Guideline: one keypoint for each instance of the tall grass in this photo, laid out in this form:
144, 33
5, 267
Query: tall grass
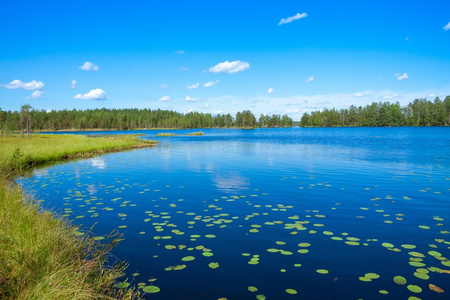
18, 153
42, 256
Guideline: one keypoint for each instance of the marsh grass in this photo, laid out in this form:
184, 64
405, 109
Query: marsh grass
166, 134
173, 134
196, 133
42, 256
18, 154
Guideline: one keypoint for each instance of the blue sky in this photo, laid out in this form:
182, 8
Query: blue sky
222, 56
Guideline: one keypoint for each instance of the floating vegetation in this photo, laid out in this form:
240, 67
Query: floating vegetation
213, 265
151, 289
183, 224
400, 280
188, 258
414, 288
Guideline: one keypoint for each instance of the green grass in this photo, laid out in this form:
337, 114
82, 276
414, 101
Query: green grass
42, 256
196, 133
166, 134
173, 134
18, 154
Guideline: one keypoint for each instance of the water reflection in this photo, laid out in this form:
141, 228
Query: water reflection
98, 162
231, 182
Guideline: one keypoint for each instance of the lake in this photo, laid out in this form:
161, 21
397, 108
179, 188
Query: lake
289, 213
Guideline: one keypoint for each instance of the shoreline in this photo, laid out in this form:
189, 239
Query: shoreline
43, 255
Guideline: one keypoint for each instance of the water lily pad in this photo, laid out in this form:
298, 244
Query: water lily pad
446, 263
304, 244
352, 243
260, 297
416, 254
363, 278
286, 252
178, 267
188, 258
272, 250
400, 280
252, 289
210, 236
434, 253
372, 275
435, 288
422, 275
408, 246
414, 288
207, 254
387, 245
384, 292
416, 264
424, 227
151, 289
322, 271
291, 291
213, 265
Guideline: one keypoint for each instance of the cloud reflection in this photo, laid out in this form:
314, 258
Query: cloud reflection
98, 162
231, 182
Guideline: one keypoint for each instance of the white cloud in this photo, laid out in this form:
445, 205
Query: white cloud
392, 96
358, 95
18, 84
164, 86
164, 98
193, 86
402, 77
270, 90
183, 69
73, 83
293, 18
447, 27
211, 83
309, 79
96, 94
230, 67
180, 52
190, 99
35, 95
88, 66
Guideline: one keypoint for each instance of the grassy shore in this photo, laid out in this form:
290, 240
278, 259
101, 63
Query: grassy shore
42, 256
21, 153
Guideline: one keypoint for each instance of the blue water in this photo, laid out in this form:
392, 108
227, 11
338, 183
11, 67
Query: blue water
368, 186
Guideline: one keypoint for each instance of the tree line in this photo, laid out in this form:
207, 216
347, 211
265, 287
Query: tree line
420, 112
28, 119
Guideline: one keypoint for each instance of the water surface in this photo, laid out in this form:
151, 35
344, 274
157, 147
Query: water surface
332, 205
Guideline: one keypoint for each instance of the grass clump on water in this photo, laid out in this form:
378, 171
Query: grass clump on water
166, 134
42, 256
173, 134
196, 133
